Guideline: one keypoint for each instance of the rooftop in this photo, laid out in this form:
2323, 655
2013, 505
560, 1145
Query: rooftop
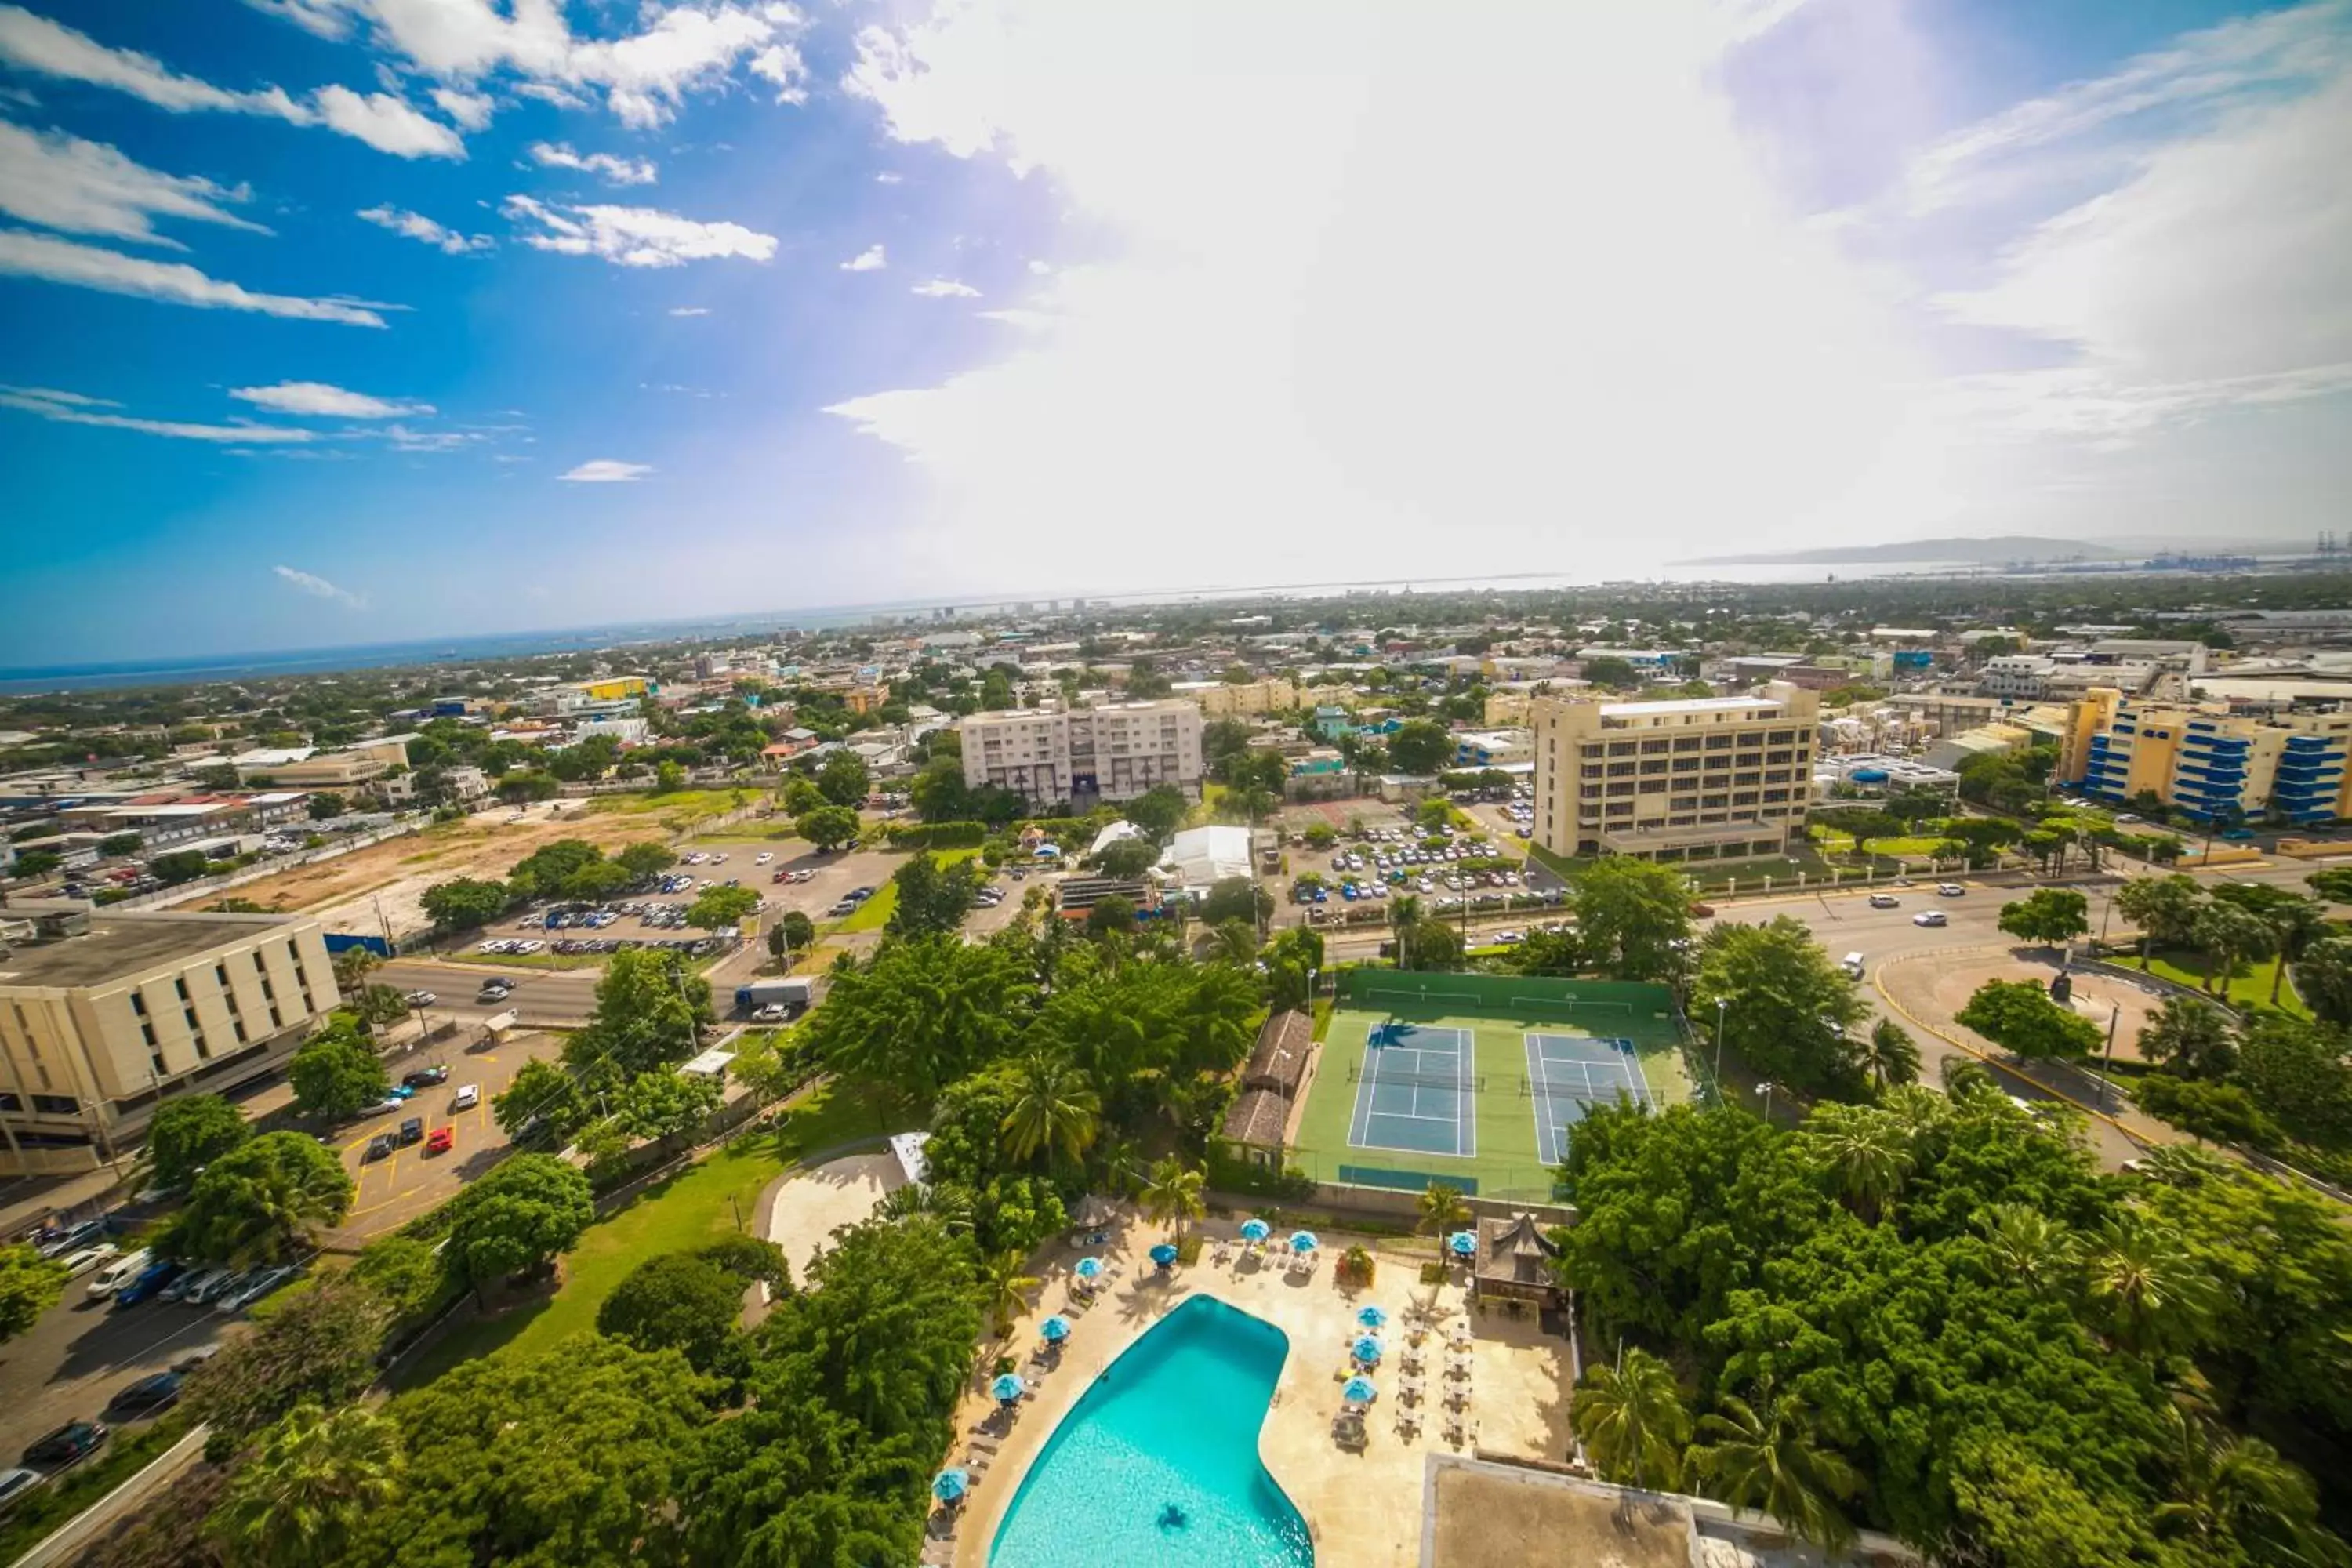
120, 946
1685, 705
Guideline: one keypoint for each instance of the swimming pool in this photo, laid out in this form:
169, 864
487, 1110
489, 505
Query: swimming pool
1157, 1463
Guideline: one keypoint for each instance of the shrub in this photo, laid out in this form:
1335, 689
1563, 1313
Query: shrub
1433, 1273
937, 835
1355, 1267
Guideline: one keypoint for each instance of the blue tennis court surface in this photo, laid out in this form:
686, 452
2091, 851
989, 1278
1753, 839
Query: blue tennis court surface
1567, 1073
1414, 1092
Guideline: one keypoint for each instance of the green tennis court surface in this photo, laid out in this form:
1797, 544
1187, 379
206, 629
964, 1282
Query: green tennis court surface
1477, 1081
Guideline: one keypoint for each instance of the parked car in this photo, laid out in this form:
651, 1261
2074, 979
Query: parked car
442, 1140
119, 1273
1929, 918
772, 1013
420, 998
147, 1396
256, 1285
411, 1130
80, 1263
468, 1096
378, 1147
1950, 891
426, 1078
195, 1358
213, 1290
73, 1238
152, 1279
195, 1279
16, 1483
74, 1440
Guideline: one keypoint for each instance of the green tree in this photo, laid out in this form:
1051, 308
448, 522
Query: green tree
1159, 811
1442, 1210
520, 1216
843, 779
306, 1497
257, 1203
1110, 915
666, 1103
2188, 1036
1629, 1417
933, 899
1888, 1056
465, 904
650, 1006
645, 860
668, 778
30, 864
353, 966
2020, 1018
800, 795
2233, 1495
1609, 671
1053, 1110
828, 828
1979, 839
324, 805
1171, 1194
919, 1015
2028, 1246
337, 1074
1237, 899
1435, 945
1765, 1453
675, 1300
318, 1344
29, 1286
1420, 747
2323, 978
1788, 1007
177, 866
405, 1272
2301, 1076
378, 1007
2151, 1294
2164, 908
1863, 1153
189, 1133
541, 1095
796, 930
2049, 916
1005, 1288
1125, 860
1291, 959
116, 844
2334, 883
721, 908
1630, 917
2232, 936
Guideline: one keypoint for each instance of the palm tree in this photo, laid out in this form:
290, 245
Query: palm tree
2182, 1164
1005, 1288
1924, 1117
1405, 913
2190, 1034
2230, 1491
2294, 923
1888, 1056
302, 1500
2231, 935
352, 967
1863, 1153
1630, 1420
946, 1202
1055, 1108
1442, 1209
1764, 1456
2155, 1296
2027, 1245
1171, 1193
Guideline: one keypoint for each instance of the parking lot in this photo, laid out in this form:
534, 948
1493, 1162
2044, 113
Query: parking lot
409, 1180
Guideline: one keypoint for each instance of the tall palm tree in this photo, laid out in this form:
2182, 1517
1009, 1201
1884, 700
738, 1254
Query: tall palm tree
946, 1202
1764, 1456
1442, 1209
2155, 1296
1924, 1115
1888, 1057
2295, 924
1405, 913
302, 1500
1631, 1419
2187, 1033
2182, 1164
352, 967
2027, 1245
1863, 1153
1171, 1193
1053, 1109
2234, 1492
1005, 1288
2233, 936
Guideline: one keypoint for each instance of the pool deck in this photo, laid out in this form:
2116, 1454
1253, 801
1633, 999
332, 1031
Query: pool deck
1363, 1508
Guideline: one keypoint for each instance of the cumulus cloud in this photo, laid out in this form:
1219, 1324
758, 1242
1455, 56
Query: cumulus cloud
613, 170
62, 182
111, 271
780, 64
317, 399
73, 408
317, 587
946, 288
471, 111
634, 236
606, 471
416, 226
870, 259
388, 124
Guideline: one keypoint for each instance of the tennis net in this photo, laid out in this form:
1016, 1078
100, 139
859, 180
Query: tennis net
1380, 1075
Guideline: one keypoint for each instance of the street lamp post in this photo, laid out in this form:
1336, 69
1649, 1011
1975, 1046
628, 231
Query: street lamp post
1765, 1088
1722, 1006
2107, 1063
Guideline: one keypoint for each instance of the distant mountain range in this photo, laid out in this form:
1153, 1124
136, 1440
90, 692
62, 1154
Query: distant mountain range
1956, 552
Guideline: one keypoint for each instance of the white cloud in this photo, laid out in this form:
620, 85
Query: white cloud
781, 65
615, 171
689, 309
946, 288
72, 409
88, 266
607, 471
321, 18
65, 182
388, 124
888, 177
635, 236
416, 226
471, 111
317, 399
873, 258
317, 587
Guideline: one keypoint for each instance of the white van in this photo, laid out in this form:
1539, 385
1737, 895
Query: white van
119, 1273
1852, 965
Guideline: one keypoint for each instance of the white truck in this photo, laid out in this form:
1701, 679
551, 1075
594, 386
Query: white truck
760, 995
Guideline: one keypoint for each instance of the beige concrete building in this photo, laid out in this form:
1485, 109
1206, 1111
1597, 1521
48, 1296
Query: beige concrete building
1217, 699
1705, 778
101, 1013
1506, 710
1116, 752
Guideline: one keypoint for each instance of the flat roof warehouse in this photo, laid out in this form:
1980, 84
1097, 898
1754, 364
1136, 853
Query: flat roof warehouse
113, 950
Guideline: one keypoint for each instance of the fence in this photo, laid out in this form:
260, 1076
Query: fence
1504, 994
180, 892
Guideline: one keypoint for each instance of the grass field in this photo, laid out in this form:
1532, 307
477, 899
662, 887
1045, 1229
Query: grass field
1835, 843
875, 912
2250, 988
1507, 1163
699, 1204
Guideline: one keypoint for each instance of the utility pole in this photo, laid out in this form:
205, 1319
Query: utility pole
1722, 1006
2107, 1063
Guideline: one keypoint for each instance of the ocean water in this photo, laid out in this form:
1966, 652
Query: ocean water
1157, 1464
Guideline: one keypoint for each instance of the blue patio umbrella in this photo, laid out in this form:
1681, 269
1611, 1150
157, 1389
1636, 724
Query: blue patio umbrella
1164, 1254
1368, 1348
1463, 1244
949, 1486
1256, 1230
1371, 1317
1360, 1391
1055, 1329
1303, 1241
1088, 1269
1007, 1387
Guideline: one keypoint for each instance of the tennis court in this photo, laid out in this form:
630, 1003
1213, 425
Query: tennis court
1568, 1074
1414, 1091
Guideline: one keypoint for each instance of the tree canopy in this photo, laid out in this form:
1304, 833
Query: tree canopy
1629, 914
257, 1203
518, 1217
189, 1133
1788, 1009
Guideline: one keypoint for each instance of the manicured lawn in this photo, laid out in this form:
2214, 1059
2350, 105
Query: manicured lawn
692, 803
875, 912
698, 1205
2251, 987
1834, 843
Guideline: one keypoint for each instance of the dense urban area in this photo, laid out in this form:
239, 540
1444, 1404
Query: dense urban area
1859, 1067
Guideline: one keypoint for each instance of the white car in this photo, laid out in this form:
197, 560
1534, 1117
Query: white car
763, 856
80, 1263
1950, 891
119, 1273
468, 1096
1929, 918
1884, 901
255, 1286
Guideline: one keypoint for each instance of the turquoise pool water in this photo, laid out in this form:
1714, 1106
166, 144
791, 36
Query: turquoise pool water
1157, 1463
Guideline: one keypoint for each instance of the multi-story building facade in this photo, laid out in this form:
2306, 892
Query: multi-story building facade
104, 1013
2016, 675
1227, 700
1116, 752
2216, 767
1709, 778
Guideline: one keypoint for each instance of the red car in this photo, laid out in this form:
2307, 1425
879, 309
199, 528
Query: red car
781, 877
441, 1141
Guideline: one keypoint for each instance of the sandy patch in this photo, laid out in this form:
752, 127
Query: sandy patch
809, 1205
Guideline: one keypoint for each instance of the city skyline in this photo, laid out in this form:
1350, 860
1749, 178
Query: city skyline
335, 322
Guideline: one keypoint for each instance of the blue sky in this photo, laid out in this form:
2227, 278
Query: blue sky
345, 321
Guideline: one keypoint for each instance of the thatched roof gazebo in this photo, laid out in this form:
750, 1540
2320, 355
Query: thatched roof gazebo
1514, 1262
